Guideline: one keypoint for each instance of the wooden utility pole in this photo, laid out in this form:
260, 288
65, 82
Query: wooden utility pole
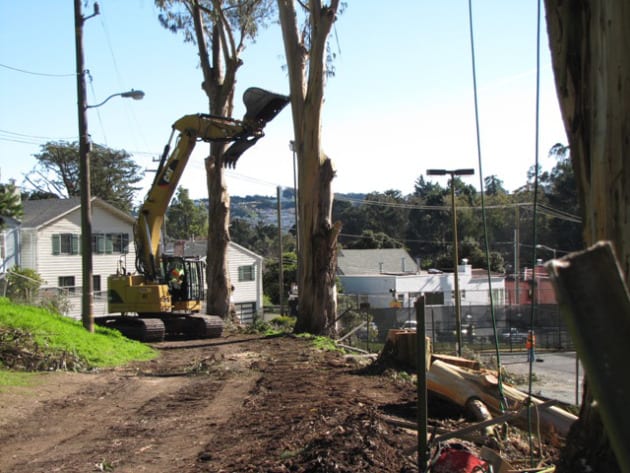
280, 263
87, 300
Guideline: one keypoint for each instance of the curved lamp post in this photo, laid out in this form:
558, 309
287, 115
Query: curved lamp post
87, 293
458, 308
132, 94
548, 248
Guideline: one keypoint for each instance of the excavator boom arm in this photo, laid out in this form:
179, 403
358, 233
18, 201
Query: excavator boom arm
262, 106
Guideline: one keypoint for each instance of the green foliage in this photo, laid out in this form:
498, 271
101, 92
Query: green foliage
113, 173
283, 322
23, 284
56, 335
271, 277
185, 218
321, 343
10, 202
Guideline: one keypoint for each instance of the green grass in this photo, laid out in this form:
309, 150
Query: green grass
13, 378
56, 334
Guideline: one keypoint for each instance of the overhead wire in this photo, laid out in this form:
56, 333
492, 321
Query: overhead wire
45, 74
533, 303
502, 400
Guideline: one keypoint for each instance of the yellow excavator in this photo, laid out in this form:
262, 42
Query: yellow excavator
164, 296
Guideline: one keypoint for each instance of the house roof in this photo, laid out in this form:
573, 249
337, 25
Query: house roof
200, 248
38, 213
385, 260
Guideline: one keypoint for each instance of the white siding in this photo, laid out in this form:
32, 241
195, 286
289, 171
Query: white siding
245, 291
37, 254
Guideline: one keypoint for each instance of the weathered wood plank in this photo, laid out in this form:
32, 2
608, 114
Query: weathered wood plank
595, 301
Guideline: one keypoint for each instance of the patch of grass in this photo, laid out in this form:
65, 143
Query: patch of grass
322, 343
53, 334
15, 378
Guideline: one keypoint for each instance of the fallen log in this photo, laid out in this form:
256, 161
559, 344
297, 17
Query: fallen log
460, 385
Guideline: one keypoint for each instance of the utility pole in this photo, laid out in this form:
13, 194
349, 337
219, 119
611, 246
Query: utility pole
87, 301
458, 307
280, 266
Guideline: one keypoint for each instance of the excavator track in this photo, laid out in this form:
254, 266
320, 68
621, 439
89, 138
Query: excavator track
137, 328
192, 326
206, 326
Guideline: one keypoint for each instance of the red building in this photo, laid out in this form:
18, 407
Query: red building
531, 284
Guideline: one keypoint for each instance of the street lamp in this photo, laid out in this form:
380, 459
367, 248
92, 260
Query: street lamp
458, 309
132, 94
87, 300
545, 247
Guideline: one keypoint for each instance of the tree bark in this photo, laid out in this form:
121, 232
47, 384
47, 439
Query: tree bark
317, 234
589, 43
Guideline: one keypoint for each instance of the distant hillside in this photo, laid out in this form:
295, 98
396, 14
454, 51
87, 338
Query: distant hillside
264, 209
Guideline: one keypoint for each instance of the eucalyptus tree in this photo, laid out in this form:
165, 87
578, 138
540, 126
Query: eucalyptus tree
589, 50
219, 29
306, 55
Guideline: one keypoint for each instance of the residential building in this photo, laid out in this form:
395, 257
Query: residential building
50, 235
245, 269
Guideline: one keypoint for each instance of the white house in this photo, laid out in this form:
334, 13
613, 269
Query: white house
50, 244
245, 269
390, 278
393, 290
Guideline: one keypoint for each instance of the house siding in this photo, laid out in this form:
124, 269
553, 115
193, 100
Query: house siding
37, 254
245, 292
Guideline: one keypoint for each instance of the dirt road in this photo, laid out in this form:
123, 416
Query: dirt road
238, 404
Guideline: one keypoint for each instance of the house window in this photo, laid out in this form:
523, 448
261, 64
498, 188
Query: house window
65, 244
110, 243
120, 243
66, 282
96, 282
246, 273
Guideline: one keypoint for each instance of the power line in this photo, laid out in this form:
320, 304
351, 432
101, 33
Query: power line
45, 74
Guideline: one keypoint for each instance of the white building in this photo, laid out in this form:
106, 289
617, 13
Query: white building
50, 236
391, 292
245, 268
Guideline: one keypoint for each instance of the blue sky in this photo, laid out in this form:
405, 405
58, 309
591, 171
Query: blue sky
401, 100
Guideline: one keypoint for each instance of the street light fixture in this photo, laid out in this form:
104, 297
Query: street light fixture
132, 94
458, 308
545, 247
87, 299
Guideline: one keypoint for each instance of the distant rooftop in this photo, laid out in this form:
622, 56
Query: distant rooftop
386, 260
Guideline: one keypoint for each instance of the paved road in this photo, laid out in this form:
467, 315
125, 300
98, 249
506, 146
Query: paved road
554, 374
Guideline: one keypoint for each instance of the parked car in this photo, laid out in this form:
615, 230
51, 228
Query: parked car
409, 325
513, 335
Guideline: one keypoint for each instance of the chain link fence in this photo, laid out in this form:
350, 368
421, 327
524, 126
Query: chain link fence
478, 334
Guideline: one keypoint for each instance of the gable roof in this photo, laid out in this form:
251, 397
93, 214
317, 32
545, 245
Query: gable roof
38, 213
385, 260
200, 248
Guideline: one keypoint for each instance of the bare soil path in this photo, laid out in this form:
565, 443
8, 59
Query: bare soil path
236, 404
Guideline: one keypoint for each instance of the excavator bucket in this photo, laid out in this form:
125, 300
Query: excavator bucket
262, 106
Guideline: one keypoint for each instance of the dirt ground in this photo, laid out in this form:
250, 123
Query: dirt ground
235, 404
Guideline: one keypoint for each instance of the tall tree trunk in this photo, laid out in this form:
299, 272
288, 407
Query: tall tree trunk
589, 43
217, 272
318, 236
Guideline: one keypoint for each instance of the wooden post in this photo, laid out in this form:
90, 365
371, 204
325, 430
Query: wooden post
594, 299
421, 369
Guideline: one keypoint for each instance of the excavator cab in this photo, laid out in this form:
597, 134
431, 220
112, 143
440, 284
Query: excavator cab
185, 280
